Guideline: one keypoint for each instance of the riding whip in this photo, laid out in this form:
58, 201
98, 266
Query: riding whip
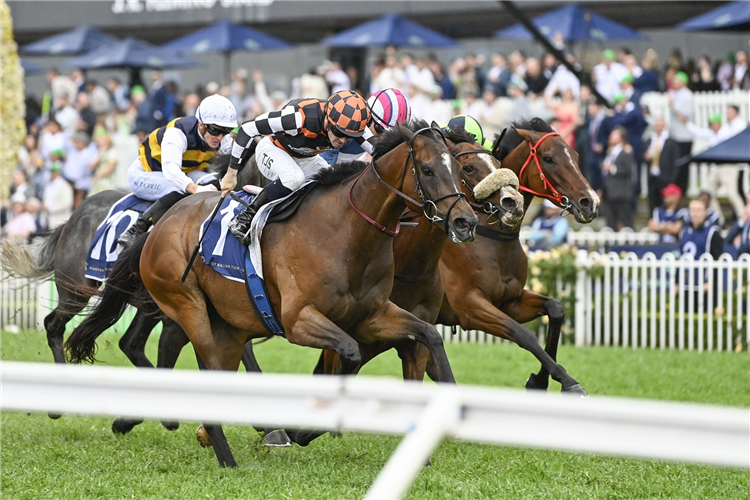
200, 240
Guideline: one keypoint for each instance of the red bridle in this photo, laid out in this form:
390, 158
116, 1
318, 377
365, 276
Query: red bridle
555, 196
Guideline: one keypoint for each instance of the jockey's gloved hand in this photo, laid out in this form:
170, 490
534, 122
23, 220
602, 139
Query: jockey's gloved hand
228, 182
205, 188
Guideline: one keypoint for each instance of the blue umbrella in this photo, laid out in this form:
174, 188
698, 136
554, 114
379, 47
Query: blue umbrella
30, 68
736, 149
575, 24
80, 40
226, 37
129, 53
734, 16
390, 29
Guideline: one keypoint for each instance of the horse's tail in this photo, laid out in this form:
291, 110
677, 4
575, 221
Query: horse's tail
122, 285
34, 261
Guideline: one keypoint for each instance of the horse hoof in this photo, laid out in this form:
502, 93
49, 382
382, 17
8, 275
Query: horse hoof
277, 438
123, 426
335, 434
576, 389
533, 384
171, 426
203, 438
54, 416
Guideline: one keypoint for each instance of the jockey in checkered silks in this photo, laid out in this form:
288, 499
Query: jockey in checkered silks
293, 138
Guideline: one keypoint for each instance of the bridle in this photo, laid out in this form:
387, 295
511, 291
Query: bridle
487, 207
563, 201
428, 205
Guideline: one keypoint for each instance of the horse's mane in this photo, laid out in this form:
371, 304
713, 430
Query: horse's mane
338, 172
392, 137
511, 139
459, 135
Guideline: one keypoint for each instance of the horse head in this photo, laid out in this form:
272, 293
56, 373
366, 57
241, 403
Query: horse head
548, 167
490, 188
435, 177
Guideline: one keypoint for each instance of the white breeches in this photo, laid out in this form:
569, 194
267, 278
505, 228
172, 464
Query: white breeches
153, 185
275, 163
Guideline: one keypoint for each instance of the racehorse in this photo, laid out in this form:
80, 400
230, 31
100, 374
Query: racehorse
323, 283
484, 281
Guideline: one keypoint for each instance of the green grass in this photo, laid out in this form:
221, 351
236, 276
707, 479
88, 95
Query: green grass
79, 457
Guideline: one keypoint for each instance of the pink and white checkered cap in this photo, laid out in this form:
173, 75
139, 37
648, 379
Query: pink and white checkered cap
389, 107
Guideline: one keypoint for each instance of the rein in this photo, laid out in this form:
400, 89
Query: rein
563, 201
428, 204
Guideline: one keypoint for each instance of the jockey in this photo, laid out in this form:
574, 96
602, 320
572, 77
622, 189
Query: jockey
387, 107
290, 151
167, 168
472, 126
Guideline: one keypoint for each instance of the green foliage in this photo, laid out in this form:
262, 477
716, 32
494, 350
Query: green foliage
79, 457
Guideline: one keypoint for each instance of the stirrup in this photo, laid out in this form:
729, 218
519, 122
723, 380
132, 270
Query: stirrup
240, 227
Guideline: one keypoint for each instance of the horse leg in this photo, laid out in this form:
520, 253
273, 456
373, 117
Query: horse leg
133, 344
54, 324
171, 342
478, 313
218, 346
271, 437
391, 323
531, 306
313, 329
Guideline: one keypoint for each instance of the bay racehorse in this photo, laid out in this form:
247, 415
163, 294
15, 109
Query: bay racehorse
328, 269
484, 281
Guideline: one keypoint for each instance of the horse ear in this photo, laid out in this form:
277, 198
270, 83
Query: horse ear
526, 134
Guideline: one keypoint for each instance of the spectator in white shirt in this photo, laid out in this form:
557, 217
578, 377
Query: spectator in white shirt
608, 74
58, 197
718, 175
337, 78
77, 168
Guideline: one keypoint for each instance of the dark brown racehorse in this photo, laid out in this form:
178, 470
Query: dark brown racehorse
328, 270
484, 281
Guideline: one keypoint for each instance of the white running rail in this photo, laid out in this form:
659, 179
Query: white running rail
424, 413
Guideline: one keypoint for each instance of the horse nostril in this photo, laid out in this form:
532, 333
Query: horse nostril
508, 203
586, 202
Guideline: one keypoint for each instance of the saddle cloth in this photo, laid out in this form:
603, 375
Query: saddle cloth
221, 251
104, 249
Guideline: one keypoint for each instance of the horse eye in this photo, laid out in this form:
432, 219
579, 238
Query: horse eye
426, 170
468, 169
548, 158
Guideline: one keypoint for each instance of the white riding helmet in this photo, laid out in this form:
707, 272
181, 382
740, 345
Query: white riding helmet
217, 110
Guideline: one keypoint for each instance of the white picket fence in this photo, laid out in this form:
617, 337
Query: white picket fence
647, 302
602, 239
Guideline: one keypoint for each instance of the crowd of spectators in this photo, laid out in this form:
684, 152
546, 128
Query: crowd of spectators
68, 153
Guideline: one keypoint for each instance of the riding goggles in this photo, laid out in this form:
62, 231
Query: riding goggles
217, 131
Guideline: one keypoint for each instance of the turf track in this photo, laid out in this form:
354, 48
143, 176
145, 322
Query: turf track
79, 457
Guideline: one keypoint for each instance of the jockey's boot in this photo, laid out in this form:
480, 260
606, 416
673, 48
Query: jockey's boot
240, 226
148, 218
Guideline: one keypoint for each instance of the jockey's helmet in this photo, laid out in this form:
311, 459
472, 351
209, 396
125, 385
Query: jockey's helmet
217, 110
389, 107
348, 113
471, 125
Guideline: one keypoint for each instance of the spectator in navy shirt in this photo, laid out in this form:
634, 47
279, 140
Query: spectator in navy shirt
698, 238
666, 219
550, 229
739, 233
